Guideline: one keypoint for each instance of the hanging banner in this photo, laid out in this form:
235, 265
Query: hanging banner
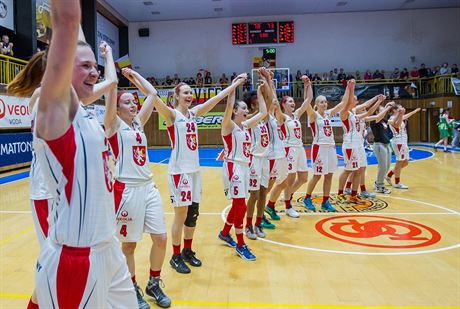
15, 148
14, 112
43, 15
7, 14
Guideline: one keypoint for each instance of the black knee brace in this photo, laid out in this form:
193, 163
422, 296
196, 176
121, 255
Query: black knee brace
192, 215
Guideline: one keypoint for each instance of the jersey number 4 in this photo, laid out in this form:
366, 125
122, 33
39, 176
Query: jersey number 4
123, 230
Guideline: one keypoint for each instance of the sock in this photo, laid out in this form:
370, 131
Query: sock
188, 243
290, 198
155, 273
271, 204
354, 193
249, 221
390, 173
258, 221
239, 240
32, 305
307, 195
240, 212
133, 279
176, 249
288, 204
363, 188
340, 191
348, 185
230, 219
397, 179
325, 199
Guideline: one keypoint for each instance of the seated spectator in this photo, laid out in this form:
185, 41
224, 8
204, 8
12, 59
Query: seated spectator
404, 74
395, 74
342, 75
331, 75
454, 69
208, 78
316, 77
223, 81
168, 81
233, 76
350, 76
298, 76
7, 47
199, 80
444, 69
176, 79
335, 75
307, 73
414, 73
382, 74
152, 80
423, 71
377, 75
429, 73
325, 76
191, 81
436, 70
367, 75
358, 75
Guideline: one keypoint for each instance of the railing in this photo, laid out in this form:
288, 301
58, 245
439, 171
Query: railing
9, 67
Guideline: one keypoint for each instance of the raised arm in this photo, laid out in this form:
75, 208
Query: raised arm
267, 91
53, 117
308, 97
347, 100
254, 120
34, 98
373, 108
381, 114
411, 113
227, 123
398, 119
366, 105
202, 109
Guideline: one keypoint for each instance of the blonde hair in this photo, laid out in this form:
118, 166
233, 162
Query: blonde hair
317, 100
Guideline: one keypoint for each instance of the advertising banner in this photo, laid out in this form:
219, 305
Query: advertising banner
15, 148
14, 112
211, 120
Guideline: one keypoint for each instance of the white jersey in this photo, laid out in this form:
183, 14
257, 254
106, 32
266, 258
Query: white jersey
129, 146
183, 134
259, 140
399, 134
292, 131
351, 130
322, 130
38, 188
276, 146
237, 145
76, 169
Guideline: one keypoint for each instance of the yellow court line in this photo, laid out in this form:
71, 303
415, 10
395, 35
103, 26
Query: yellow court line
15, 236
13, 295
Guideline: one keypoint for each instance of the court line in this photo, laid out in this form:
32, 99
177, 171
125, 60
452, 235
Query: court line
260, 305
15, 236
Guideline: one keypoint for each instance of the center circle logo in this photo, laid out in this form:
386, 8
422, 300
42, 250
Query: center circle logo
340, 203
378, 231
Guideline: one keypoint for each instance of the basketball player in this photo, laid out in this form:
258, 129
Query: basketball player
184, 178
399, 143
237, 143
81, 264
138, 204
295, 153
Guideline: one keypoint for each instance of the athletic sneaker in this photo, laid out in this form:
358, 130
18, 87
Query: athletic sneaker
260, 231
388, 179
366, 194
245, 253
272, 213
266, 224
347, 191
308, 203
153, 289
249, 231
291, 212
228, 240
189, 256
400, 186
327, 207
355, 200
382, 189
179, 265
140, 298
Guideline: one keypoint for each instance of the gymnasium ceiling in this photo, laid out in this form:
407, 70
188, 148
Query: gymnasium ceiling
157, 10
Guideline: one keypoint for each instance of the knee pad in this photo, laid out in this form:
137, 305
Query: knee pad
192, 215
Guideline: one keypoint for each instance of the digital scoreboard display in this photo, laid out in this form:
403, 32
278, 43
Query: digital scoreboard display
286, 32
263, 33
240, 34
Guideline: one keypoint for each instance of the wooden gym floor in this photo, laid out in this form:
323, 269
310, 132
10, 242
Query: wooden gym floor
399, 251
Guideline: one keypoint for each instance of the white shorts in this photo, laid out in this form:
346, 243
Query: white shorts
296, 159
139, 209
323, 159
236, 180
401, 151
278, 169
40, 211
362, 156
95, 277
185, 188
258, 173
351, 156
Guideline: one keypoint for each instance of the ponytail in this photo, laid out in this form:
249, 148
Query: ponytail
30, 77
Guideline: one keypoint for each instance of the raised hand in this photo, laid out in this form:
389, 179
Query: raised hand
381, 98
240, 79
127, 72
104, 48
306, 81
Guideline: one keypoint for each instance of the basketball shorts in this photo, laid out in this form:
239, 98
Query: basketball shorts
185, 188
278, 169
323, 159
236, 180
296, 160
258, 173
401, 151
40, 211
352, 156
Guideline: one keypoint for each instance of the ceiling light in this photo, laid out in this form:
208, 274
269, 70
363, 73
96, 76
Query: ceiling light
155, 13
218, 9
342, 3
148, 3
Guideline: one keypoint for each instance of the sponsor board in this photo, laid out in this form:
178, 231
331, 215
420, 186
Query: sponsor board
211, 120
14, 112
15, 148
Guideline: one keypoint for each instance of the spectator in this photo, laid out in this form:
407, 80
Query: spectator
368, 75
316, 77
325, 76
404, 74
382, 74
233, 76
176, 79
307, 73
191, 81
152, 80
358, 75
223, 81
454, 69
298, 75
199, 80
335, 74
208, 78
414, 73
423, 71
168, 81
331, 75
444, 69
377, 75
395, 74
298, 83
342, 75
247, 84
7, 47
436, 70
350, 76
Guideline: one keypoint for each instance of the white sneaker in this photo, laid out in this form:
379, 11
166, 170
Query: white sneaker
249, 231
400, 186
382, 190
388, 179
347, 191
367, 194
259, 231
291, 212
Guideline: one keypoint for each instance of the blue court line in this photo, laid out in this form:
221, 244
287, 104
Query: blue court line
14, 177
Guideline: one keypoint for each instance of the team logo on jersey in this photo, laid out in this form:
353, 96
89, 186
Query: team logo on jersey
191, 141
185, 182
124, 213
246, 149
139, 155
107, 171
264, 140
235, 177
327, 130
297, 132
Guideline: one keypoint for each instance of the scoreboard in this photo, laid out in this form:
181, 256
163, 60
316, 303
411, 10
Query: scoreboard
263, 33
